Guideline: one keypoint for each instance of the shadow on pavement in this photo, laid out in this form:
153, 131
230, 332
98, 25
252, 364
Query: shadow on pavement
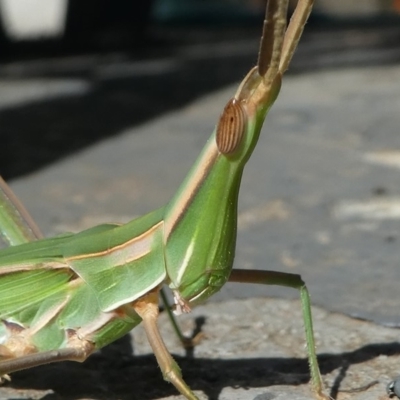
115, 374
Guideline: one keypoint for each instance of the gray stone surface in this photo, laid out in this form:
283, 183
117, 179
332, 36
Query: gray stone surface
253, 349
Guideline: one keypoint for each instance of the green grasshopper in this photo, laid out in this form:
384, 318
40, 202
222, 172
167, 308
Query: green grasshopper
65, 297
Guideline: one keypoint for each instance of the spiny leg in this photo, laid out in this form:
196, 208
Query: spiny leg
293, 281
147, 309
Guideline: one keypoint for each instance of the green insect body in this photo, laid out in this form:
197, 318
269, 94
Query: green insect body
81, 283
63, 298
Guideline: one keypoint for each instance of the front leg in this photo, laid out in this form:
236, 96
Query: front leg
293, 281
147, 308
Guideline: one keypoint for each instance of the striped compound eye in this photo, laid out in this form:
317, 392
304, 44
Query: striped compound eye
231, 127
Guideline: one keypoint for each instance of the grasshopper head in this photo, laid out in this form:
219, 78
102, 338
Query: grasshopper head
241, 121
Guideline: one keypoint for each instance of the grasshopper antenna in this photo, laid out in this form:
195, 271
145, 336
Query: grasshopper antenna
278, 43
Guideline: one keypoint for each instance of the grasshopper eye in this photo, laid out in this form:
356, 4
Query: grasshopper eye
231, 126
